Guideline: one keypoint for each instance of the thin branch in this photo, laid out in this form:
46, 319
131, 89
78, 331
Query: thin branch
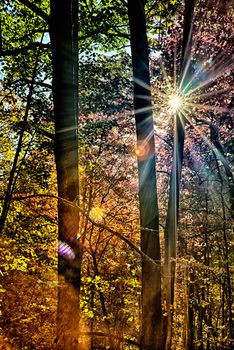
39, 83
27, 81
96, 224
19, 50
99, 32
43, 132
37, 10
164, 140
13, 177
101, 334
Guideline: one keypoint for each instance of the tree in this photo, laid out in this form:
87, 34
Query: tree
200, 289
64, 32
64, 44
175, 178
152, 337
206, 83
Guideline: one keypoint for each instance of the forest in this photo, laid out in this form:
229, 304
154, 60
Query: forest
116, 182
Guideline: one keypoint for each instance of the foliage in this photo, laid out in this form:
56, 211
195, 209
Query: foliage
111, 288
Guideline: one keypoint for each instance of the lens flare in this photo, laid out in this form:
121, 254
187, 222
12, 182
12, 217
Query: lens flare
66, 251
175, 102
142, 150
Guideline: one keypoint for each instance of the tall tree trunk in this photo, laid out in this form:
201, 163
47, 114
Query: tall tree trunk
151, 274
63, 31
174, 192
171, 225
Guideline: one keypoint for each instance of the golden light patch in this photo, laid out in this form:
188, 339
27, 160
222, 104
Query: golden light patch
97, 214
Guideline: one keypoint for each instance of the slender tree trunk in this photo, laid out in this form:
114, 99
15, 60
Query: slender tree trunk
190, 344
228, 274
151, 274
15, 166
186, 338
174, 192
63, 31
171, 225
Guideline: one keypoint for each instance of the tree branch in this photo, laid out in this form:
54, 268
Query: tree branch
124, 2
102, 334
164, 140
115, 233
28, 81
19, 50
39, 83
40, 131
37, 10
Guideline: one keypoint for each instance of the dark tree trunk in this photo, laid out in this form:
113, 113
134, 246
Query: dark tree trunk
63, 31
174, 192
187, 34
151, 274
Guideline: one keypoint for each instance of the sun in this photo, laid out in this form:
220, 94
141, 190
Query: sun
175, 102
170, 100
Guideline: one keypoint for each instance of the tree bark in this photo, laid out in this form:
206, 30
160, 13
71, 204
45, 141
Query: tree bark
63, 31
171, 225
174, 192
149, 218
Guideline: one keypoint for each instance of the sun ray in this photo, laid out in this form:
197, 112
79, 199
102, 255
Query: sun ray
141, 83
144, 97
220, 63
202, 68
208, 94
184, 73
142, 110
214, 76
208, 142
209, 107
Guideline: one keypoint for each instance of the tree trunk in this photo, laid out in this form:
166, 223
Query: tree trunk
151, 274
191, 338
171, 225
63, 31
174, 192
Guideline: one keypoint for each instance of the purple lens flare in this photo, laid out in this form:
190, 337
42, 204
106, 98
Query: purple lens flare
66, 251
